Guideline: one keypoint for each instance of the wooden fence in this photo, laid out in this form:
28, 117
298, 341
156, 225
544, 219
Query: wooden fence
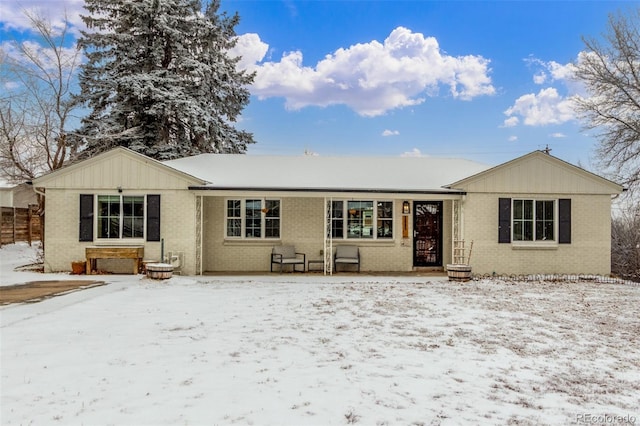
19, 224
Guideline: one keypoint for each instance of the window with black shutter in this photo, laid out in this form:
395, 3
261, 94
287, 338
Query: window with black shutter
537, 221
86, 217
564, 221
153, 217
504, 220
119, 217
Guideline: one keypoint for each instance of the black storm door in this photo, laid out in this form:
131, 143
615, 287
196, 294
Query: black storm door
427, 233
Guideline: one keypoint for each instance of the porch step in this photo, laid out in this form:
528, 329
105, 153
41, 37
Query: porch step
428, 269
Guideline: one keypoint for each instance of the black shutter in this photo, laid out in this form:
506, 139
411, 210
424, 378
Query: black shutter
86, 217
504, 220
153, 217
564, 221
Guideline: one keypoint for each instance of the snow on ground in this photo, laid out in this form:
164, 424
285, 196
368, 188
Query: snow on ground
17, 255
314, 350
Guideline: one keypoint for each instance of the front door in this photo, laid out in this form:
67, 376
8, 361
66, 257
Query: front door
427, 233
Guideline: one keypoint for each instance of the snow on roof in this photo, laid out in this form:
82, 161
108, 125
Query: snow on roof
327, 173
4, 185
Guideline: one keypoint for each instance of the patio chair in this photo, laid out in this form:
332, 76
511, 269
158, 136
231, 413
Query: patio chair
346, 255
287, 255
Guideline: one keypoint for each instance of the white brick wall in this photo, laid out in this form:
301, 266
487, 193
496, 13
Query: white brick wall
62, 228
588, 253
302, 226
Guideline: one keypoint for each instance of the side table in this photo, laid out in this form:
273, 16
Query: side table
315, 262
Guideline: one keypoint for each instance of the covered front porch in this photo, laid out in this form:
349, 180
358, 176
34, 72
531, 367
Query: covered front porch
400, 233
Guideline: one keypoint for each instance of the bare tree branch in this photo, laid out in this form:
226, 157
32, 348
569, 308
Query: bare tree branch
625, 242
611, 73
36, 111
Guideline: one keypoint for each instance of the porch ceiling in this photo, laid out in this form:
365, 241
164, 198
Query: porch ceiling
327, 193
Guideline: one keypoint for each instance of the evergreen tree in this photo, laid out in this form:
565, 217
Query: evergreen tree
158, 79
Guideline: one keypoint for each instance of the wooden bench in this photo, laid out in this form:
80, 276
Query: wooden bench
131, 252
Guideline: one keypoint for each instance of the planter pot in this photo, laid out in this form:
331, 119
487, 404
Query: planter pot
159, 271
459, 272
78, 268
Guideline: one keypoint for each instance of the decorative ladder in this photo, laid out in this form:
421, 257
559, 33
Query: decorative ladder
460, 253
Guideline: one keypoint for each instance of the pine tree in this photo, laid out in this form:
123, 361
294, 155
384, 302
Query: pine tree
158, 79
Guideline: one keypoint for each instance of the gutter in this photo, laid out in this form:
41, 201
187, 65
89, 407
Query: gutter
326, 190
35, 189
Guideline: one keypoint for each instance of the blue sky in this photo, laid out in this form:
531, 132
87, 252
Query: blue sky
482, 80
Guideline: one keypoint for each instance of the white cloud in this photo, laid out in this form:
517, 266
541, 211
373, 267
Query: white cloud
370, 78
252, 50
552, 72
511, 122
13, 13
45, 58
388, 132
513, 138
11, 85
540, 77
415, 152
546, 107
559, 71
557, 135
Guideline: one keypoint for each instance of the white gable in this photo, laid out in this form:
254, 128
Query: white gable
537, 173
119, 167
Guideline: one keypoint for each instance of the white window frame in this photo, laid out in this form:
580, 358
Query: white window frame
535, 241
120, 239
374, 219
243, 219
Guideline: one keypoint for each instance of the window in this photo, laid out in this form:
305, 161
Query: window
362, 219
385, 219
120, 217
253, 218
234, 218
272, 219
533, 220
337, 219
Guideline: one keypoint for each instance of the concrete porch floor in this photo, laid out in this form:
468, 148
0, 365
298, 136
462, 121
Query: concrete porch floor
420, 273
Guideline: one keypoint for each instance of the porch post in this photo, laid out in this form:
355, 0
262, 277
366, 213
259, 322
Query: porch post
457, 221
454, 230
199, 224
328, 239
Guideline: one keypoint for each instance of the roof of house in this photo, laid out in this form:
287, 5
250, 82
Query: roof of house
6, 186
391, 174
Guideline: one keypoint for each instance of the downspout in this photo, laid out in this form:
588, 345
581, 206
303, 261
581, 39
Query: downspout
40, 212
461, 216
35, 189
201, 236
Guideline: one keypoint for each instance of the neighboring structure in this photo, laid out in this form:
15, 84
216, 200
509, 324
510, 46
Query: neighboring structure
21, 195
224, 213
20, 220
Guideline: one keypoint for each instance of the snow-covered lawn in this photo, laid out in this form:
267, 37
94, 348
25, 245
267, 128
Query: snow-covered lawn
307, 349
